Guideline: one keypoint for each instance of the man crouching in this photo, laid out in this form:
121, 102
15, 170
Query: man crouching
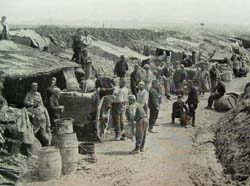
141, 124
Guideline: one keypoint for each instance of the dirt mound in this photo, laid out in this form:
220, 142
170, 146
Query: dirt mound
232, 142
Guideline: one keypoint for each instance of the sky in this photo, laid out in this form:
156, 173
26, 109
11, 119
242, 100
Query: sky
125, 13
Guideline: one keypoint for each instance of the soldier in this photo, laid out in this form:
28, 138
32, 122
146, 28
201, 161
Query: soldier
154, 105
141, 127
149, 77
192, 101
50, 90
203, 79
4, 29
41, 122
121, 67
167, 72
29, 98
143, 96
130, 112
179, 77
118, 109
135, 78
178, 110
78, 47
214, 75
217, 93
55, 108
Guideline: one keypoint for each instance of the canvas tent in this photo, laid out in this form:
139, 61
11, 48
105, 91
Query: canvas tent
21, 65
115, 51
30, 38
221, 56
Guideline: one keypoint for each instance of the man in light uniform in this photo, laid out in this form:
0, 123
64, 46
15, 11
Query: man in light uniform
118, 109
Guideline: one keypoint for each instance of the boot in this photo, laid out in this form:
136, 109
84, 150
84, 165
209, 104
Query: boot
136, 150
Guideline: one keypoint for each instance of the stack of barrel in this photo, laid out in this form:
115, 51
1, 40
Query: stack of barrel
62, 158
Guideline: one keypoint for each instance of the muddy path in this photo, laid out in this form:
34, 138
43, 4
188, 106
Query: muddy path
174, 156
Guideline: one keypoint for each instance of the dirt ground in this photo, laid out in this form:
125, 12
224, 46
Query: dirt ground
174, 156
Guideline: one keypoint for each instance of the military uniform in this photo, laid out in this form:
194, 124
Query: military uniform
41, 124
192, 102
30, 97
219, 91
121, 69
135, 78
154, 106
178, 110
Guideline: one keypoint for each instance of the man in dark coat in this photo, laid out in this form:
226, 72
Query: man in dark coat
167, 72
214, 74
55, 108
78, 47
50, 89
121, 67
218, 92
178, 109
135, 78
192, 101
154, 105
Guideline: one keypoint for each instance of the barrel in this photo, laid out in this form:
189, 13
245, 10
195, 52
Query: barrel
49, 163
68, 146
226, 103
65, 125
227, 76
87, 148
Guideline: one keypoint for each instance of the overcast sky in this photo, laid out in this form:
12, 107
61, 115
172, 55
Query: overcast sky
125, 12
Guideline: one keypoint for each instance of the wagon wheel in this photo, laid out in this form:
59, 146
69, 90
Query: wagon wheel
103, 117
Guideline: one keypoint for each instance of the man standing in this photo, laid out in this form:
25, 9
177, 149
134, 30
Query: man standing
121, 67
30, 96
4, 29
143, 96
55, 109
87, 42
78, 47
179, 77
217, 93
214, 75
167, 72
118, 109
154, 105
149, 77
141, 128
50, 90
203, 79
192, 101
135, 78
41, 122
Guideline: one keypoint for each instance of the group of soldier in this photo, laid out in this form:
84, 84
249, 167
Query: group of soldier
148, 87
149, 84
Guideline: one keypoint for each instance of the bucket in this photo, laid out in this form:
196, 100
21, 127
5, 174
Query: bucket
64, 125
13, 146
68, 146
49, 163
86, 148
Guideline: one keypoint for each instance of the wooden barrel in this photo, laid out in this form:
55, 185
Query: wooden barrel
226, 103
227, 76
68, 146
65, 125
49, 163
